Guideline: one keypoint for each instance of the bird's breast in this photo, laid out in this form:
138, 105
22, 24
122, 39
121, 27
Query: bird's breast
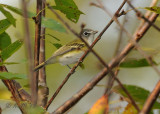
71, 57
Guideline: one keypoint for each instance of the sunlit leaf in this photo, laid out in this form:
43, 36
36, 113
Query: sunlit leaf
9, 16
155, 9
5, 94
11, 49
100, 106
5, 40
135, 63
129, 109
4, 24
11, 76
138, 94
52, 24
57, 45
69, 8
17, 10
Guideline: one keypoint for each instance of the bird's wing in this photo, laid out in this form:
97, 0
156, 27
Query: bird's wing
75, 45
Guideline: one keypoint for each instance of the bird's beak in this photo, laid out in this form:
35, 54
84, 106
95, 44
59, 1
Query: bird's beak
94, 32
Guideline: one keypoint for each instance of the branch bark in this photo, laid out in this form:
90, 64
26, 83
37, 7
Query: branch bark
37, 50
89, 86
28, 46
43, 91
151, 100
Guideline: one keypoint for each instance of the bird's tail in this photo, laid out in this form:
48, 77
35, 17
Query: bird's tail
49, 61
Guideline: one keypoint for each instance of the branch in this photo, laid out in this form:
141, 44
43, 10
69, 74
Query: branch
81, 59
89, 86
151, 99
43, 91
14, 91
37, 50
139, 14
28, 46
148, 58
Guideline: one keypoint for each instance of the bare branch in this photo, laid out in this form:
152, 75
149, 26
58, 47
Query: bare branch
11, 87
90, 48
151, 99
43, 90
139, 14
89, 86
28, 46
37, 49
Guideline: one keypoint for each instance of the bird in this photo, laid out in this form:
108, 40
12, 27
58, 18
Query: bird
72, 51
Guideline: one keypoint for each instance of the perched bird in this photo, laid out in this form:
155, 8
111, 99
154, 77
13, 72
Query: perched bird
71, 52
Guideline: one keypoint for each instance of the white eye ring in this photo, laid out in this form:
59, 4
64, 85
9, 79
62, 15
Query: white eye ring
86, 33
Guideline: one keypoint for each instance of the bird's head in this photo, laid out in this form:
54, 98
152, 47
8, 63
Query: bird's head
88, 34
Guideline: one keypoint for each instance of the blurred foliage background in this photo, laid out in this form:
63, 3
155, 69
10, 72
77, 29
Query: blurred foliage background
95, 19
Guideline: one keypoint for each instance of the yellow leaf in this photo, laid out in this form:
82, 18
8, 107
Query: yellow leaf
130, 109
101, 106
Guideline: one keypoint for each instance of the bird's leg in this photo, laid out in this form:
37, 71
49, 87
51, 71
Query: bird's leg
68, 66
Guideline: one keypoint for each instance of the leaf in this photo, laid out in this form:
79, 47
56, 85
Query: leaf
100, 106
52, 24
11, 76
135, 63
57, 45
155, 9
4, 24
69, 8
5, 40
9, 16
17, 11
82, 66
33, 109
129, 109
138, 94
11, 49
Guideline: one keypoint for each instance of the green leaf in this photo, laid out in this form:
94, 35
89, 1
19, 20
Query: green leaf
138, 94
57, 45
4, 24
9, 16
11, 76
11, 49
69, 8
135, 63
5, 40
52, 24
17, 11
82, 66
155, 9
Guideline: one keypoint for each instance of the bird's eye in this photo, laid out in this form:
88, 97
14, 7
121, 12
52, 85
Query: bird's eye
86, 33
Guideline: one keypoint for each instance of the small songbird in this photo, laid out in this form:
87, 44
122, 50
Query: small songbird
71, 52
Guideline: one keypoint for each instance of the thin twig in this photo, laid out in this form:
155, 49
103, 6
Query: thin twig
89, 86
148, 58
139, 14
37, 49
28, 46
151, 99
90, 48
